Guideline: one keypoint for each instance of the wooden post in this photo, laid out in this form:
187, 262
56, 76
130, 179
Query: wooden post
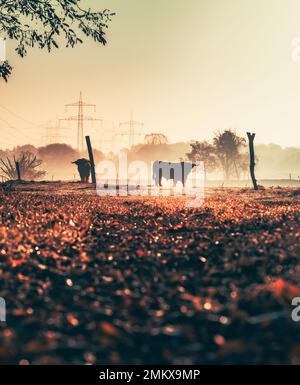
252, 159
91, 156
18, 170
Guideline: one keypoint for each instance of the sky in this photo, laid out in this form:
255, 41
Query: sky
185, 67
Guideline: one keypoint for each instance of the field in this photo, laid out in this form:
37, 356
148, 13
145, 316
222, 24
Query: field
125, 280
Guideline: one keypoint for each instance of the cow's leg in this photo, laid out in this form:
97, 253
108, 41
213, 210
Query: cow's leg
172, 176
160, 177
80, 173
182, 174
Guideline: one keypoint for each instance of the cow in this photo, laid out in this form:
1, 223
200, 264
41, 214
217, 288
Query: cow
178, 172
84, 169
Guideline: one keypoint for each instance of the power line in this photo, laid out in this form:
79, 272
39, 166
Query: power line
16, 129
131, 131
18, 116
111, 140
29, 136
54, 133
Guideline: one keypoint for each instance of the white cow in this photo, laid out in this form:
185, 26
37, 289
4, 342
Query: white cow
178, 172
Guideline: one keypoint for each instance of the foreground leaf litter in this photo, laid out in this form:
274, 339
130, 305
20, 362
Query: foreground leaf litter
106, 280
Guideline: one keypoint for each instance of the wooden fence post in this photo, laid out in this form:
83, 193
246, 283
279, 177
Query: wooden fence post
91, 156
18, 170
252, 159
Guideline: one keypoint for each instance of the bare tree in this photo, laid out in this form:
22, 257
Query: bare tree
155, 139
28, 167
227, 146
40, 23
252, 159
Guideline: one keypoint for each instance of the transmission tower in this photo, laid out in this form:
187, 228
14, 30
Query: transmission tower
131, 124
54, 134
111, 140
80, 118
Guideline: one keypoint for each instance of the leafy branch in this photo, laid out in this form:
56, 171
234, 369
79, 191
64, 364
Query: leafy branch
41, 23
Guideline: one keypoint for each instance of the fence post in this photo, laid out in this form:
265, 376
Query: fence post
91, 156
18, 170
252, 159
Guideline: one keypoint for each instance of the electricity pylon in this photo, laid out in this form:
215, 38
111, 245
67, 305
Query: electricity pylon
131, 132
80, 118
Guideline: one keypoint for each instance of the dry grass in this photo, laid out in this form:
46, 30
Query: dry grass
148, 280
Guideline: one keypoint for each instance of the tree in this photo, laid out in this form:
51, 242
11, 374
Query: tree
227, 146
40, 23
57, 152
251, 137
28, 164
155, 139
57, 158
241, 165
203, 152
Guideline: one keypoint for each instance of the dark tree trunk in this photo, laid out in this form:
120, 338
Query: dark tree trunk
18, 170
226, 169
91, 156
252, 159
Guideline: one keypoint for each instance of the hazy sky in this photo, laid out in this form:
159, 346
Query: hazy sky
186, 68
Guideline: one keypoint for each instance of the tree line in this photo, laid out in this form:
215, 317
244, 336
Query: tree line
226, 153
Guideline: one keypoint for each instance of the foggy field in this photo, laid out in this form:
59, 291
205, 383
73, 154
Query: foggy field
125, 280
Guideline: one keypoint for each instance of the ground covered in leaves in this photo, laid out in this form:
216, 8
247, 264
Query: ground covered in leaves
123, 280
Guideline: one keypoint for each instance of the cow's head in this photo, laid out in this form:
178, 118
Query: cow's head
80, 162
